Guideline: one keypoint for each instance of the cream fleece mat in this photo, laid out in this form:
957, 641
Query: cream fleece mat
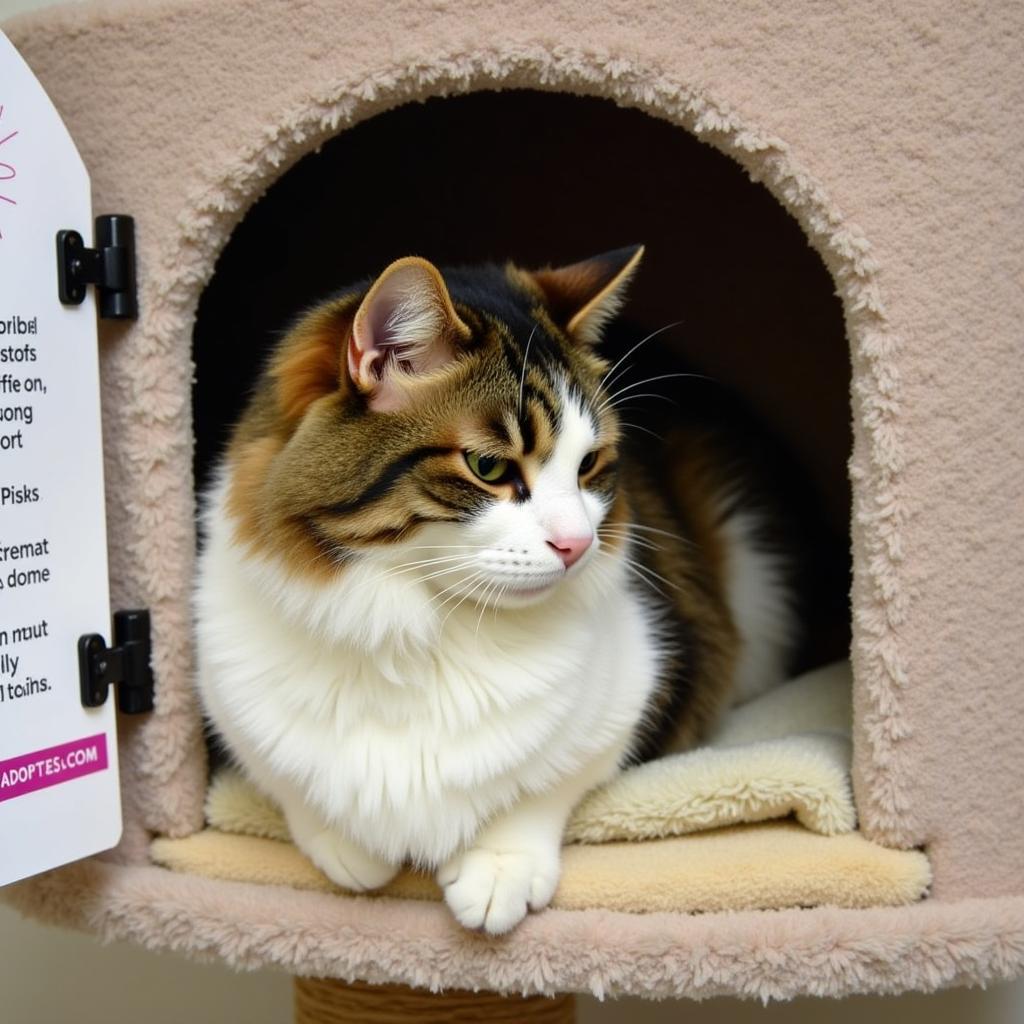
786, 753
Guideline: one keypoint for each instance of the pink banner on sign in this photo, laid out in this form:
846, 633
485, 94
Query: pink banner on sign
52, 766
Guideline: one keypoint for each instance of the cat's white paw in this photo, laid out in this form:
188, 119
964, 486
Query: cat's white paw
346, 864
494, 889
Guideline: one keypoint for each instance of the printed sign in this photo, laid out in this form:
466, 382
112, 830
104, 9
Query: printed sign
59, 796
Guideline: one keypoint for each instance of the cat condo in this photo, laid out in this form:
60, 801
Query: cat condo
864, 280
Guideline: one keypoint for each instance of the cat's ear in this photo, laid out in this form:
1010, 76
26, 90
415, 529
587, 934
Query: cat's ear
405, 327
583, 297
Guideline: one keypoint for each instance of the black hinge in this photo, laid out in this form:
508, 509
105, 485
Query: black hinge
126, 664
110, 266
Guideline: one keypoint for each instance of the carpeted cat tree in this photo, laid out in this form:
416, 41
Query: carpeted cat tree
869, 277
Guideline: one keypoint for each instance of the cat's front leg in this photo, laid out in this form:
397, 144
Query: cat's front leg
344, 862
514, 864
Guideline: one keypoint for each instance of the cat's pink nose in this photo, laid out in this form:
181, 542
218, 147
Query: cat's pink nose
570, 549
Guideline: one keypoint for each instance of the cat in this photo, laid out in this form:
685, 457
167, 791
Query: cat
443, 594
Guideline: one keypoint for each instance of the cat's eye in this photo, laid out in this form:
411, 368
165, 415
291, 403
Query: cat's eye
490, 469
588, 463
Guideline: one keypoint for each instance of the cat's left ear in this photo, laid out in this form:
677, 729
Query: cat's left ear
583, 297
405, 327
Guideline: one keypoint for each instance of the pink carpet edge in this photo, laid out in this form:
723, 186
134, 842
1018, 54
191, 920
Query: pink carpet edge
765, 955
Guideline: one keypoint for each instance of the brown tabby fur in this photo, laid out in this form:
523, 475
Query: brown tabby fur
316, 477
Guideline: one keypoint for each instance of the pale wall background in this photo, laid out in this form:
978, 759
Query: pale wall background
48, 976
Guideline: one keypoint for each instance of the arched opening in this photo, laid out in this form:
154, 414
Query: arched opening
548, 178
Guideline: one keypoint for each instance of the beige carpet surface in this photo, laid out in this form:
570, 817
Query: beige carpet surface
746, 867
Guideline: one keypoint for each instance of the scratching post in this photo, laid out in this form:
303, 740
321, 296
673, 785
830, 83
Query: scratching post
319, 1001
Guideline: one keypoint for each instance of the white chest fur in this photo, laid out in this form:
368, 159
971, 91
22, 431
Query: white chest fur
411, 734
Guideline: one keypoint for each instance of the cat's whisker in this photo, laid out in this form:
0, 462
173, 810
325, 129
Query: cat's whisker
644, 579
417, 547
603, 578
455, 587
465, 597
631, 566
654, 529
650, 380
636, 426
662, 532
522, 376
616, 527
645, 394
456, 593
618, 376
323, 554
649, 529
449, 590
674, 375
497, 602
608, 379
632, 538
496, 607
407, 567
441, 572
483, 606
646, 569
635, 541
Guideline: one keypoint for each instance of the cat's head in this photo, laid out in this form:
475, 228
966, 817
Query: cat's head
449, 430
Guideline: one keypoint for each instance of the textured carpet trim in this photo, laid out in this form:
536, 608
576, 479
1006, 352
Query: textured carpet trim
753, 954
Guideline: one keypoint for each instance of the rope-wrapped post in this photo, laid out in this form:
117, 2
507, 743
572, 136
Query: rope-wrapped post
326, 1001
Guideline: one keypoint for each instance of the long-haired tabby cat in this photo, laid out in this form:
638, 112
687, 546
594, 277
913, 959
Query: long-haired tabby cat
443, 595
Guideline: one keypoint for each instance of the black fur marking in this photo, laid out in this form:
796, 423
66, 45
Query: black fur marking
603, 481
472, 496
390, 534
330, 548
656, 729
544, 402
500, 432
513, 360
526, 429
452, 506
488, 290
385, 481
549, 355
